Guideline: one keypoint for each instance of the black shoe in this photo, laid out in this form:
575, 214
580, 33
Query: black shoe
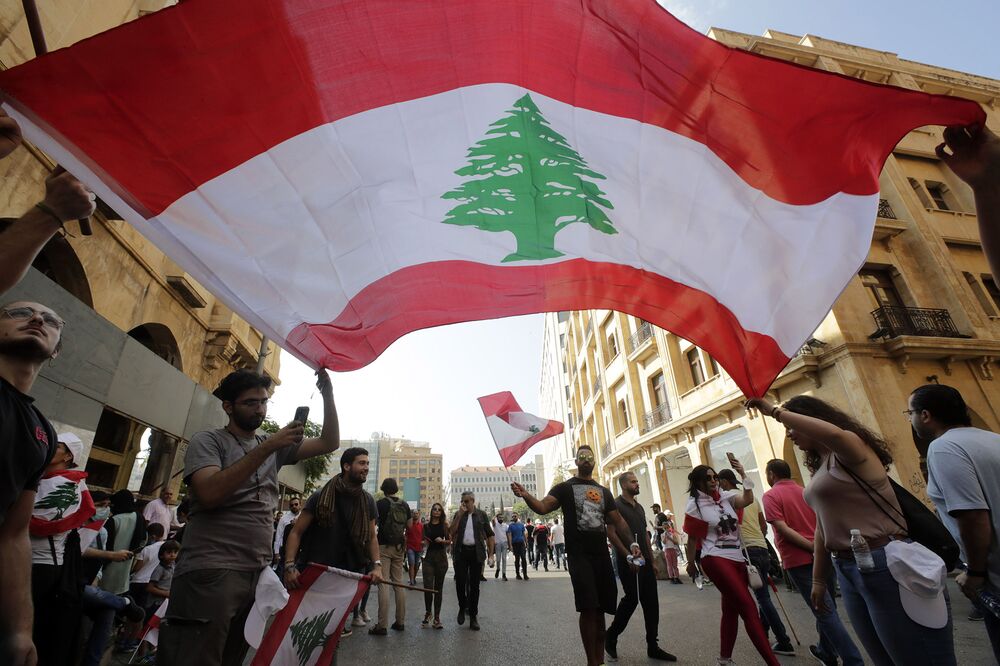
525, 575
818, 656
975, 615
473, 623
132, 612
497, 574
610, 648
461, 616
505, 577
396, 626
377, 631
519, 576
482, 578
656, 652
785, 648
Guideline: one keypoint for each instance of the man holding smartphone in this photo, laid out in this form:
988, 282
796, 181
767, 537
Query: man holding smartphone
232, 474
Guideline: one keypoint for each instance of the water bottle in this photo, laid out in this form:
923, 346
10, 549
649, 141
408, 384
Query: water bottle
862, 554
990, 602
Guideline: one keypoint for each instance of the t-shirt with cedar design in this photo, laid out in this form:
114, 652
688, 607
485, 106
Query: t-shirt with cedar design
585, 505
526, 179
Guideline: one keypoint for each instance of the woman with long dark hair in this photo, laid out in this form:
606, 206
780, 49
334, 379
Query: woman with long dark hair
712, 523
435, 562
850, 490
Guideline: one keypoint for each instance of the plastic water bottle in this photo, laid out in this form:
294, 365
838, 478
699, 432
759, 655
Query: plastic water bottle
862, 554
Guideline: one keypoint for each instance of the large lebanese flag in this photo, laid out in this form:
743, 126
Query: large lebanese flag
514, 430
342, 172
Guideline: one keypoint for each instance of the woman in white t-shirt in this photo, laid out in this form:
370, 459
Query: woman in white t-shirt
712, 522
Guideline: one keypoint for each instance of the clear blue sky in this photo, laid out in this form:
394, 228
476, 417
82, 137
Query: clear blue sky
425, 386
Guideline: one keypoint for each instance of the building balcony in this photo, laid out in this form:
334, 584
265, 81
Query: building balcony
640, 338
885, 211
655, 418
893, 321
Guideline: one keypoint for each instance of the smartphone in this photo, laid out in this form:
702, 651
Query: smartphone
732, 458
301, 414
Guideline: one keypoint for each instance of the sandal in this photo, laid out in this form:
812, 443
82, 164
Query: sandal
427, 619
437, 623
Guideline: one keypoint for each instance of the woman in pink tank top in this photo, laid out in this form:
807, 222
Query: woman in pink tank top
850, 489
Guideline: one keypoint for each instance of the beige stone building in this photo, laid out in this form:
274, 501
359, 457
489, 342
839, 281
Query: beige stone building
145, 343
924, 308
418, 470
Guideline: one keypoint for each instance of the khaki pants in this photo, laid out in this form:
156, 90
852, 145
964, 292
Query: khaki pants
392, 568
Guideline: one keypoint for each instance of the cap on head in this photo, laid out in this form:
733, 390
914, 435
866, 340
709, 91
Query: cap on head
727, 475
74, 445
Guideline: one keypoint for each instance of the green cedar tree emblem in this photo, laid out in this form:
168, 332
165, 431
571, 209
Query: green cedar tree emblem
310, 633
61, 498
534, 429
525, 178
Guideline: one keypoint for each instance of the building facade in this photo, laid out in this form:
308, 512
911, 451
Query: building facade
557, 452
418, 470
924, 308
144, 343
491, 485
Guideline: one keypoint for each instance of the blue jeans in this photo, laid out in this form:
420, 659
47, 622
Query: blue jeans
833, 637
886, 631
560, 555
768, 613
100, 606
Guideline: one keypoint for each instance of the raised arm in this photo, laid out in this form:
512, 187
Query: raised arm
849, 448
329, 439
547, 504
745, 498
975, 158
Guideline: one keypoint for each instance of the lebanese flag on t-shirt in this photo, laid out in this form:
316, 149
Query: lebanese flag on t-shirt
62, 503
343, 172
514, 431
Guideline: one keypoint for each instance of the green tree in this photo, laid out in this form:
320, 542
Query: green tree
528, 180
309, 634
315, 468
61, 498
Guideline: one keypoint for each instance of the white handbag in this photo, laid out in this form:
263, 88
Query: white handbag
756, 579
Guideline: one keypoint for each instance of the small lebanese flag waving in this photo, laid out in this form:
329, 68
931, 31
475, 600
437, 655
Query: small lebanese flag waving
343, 172
152, 635
88, 533
513, 430
62, 503
306, 631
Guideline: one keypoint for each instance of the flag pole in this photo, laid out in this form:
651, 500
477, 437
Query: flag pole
408, 587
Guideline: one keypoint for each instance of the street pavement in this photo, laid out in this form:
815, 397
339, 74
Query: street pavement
534, 622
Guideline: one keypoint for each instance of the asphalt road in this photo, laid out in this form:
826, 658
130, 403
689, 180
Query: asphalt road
533, 622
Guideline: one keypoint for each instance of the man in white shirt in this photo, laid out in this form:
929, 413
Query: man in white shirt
558, 535
158, 511
287, 518
963, 481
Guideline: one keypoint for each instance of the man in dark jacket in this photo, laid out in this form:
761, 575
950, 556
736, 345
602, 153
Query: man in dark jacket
472, 537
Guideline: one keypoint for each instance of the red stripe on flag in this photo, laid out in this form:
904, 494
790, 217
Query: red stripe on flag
499, 404
283, 620
326, 657
410, 299
511, 454
167, 102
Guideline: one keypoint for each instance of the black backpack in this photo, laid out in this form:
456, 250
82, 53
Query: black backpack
919, 523
393, 526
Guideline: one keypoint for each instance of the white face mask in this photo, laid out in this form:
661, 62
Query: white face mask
103, 513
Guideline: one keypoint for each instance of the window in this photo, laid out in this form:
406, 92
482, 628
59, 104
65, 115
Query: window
881, 287
938, 192
694, 362
714, 366
659, 385
612, 346
623, 417
981, 294
991, 289
921, 193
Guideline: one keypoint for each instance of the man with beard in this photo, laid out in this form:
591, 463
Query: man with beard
588, 510
287, 518
232, 474
29, 336
337, 525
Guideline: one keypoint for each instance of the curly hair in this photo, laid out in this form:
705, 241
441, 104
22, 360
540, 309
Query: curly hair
824, 411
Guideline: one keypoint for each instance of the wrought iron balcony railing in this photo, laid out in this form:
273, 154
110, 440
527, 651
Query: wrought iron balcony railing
885, 211
644, 333
894, 320
655, 418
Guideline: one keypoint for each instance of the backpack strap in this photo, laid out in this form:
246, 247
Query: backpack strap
862, 484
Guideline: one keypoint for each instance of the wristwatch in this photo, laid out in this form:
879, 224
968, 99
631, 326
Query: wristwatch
291, 565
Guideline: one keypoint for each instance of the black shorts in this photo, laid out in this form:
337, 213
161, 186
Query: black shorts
594, 585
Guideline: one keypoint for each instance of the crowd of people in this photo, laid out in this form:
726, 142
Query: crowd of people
75, 558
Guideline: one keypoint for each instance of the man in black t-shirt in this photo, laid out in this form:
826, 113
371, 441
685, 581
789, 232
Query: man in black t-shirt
30, 334
588, 510
637, 586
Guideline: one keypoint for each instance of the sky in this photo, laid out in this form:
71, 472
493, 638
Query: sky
424, 387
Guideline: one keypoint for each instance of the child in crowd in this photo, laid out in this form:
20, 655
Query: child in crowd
158, 587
